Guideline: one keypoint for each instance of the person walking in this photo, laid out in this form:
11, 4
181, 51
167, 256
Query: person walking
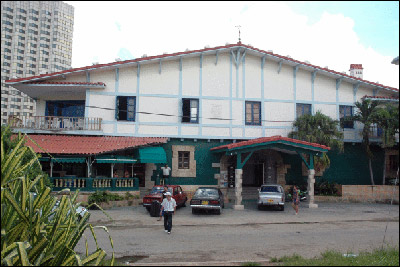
296, 199
169, 207
166, 170
163, 194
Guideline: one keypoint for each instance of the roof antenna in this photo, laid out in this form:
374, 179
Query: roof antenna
239, 32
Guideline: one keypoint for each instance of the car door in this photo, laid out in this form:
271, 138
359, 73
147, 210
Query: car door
177, 196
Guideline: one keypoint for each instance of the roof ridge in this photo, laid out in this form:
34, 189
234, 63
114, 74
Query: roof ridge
189, 52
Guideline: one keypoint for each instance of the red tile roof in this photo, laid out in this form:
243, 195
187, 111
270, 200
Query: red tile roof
79, 83
382, 97
239, 44
62, 144
356, 66
266, 140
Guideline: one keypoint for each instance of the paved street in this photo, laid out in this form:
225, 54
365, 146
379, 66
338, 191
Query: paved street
248, 235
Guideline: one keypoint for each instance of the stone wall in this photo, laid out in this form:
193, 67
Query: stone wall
370, 193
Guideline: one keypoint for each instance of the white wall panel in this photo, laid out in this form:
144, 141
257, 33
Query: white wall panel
190, 76
103, 101
324, 89
346, 92
329, 110
253, 77
237, 111
158, 130
126, 128
159, 105
105, 76
362, 91
216, 77
278, 86
215, 131
107, 128
166, 82
215, 109
273, 132
253, 132
303, 85
128, 80
40, 107
281, 113
189, 130
237, 132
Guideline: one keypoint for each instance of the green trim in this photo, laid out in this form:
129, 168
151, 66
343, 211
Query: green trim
310, 165
114, 159
68, 160
44, 159
239, 163
152, 155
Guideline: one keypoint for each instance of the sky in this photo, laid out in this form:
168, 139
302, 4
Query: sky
332, 34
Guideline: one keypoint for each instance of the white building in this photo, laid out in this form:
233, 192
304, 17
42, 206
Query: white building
211, 95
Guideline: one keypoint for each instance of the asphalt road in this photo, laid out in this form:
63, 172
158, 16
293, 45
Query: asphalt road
248, 235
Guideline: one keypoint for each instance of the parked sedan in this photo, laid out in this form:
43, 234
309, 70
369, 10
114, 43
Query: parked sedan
271, 195
207, 198
156, 195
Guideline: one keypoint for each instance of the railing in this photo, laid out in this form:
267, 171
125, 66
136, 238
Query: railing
93, 184
55, 123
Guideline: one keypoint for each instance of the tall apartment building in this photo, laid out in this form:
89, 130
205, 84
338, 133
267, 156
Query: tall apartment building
36, 38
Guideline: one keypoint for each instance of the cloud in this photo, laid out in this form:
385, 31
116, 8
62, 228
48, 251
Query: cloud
153, 28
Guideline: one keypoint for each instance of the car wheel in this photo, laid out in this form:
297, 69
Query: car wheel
259, 207
218, 212
223, 205
194, 211
148, 209
184, 203
282, 208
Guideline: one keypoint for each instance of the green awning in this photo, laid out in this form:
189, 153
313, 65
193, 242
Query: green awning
69, 160
115, 159
44, 159
152, 155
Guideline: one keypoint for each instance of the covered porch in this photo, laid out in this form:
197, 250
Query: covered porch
240, 153
97, 163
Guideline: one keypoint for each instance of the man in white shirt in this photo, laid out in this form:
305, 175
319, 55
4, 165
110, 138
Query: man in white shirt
166, 170
169, 207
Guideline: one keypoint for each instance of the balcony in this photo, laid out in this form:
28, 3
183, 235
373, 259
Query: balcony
55, 123
94, 184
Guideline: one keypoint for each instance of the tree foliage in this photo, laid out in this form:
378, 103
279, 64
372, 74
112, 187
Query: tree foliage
321, 129
34, 231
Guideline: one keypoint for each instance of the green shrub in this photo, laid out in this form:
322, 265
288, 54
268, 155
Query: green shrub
103, 196
33, 230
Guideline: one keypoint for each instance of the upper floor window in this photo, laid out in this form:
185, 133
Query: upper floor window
346, 111
125, 108
190, 110
303, 109
253, 113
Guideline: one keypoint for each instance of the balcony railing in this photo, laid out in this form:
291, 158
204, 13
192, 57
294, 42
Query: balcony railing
94, 184
55, 123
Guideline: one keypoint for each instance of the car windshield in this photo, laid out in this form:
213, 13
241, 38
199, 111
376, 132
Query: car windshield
159, 190
206, 192
269, 189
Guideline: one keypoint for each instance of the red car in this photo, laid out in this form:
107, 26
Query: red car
156, 194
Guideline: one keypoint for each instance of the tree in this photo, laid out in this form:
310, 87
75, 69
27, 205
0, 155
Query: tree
387, 118
366, 114
321, 129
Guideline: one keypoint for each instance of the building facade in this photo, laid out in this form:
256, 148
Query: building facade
36, 38
203, 99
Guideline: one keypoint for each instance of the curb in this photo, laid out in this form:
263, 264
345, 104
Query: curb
204, 263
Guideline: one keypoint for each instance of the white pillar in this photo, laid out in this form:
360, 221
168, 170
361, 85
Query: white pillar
310, 189
238, 190
51, 168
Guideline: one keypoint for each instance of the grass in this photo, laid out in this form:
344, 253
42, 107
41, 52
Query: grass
379, 257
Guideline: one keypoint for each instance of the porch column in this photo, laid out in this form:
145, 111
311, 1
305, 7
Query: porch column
238, 189
310, 189
51, 168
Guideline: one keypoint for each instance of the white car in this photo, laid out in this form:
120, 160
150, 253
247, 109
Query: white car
271, 195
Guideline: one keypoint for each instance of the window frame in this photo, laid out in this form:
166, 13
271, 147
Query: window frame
302, 109
190, 119
253, 103
347, 124
182, 157
117, 108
